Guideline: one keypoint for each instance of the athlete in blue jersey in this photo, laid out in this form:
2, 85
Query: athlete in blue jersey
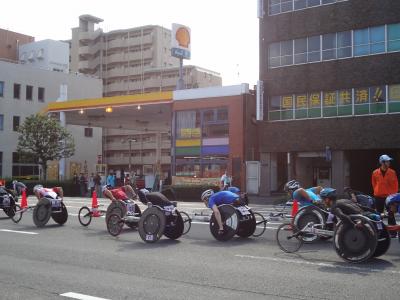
301, 195
392, 206
212, 200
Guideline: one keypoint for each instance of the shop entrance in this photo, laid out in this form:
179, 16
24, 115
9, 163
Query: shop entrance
323, 176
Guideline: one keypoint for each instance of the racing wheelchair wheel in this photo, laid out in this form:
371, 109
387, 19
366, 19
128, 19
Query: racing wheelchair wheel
174, 226
85, 216
42, 212
383, 241
114, 224
138, 213
187, 222
306, 215
230, 221
261, 224
355, 245
17, 213
247, 227
152, 224
289, 238
116, 207
62, 216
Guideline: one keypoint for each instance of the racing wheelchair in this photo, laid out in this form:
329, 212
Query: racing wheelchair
8, 204
158, 219
354, 245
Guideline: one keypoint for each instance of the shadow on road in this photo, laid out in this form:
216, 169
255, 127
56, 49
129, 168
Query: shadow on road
235, 242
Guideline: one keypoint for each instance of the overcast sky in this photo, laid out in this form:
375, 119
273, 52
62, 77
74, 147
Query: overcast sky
224, 32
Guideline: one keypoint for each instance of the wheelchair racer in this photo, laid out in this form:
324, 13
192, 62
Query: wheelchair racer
155, 198
303, 196
118, 193
212, 200
393, 206
41, 192
342, 208
243, 196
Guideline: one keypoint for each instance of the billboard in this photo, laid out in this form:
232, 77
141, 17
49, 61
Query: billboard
180, 41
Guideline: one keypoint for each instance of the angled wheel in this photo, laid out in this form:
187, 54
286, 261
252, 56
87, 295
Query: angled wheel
383, 241
288, 238
230, 221
187, 222
85, 216
355, 245
305, 216
114, 224
42, 212
261, 224
62, 216
17, 213
247, 227
174, 226
116, 207
152, 224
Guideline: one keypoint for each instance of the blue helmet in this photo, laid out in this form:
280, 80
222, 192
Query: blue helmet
234, 189
328, 193
384, 158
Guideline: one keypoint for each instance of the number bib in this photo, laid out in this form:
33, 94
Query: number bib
6, 201
169, 209
130, 209
55, 203
244, 211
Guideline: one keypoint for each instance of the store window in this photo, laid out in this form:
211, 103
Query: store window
329, 103
394, 98
188, 124
393, 37
345, 102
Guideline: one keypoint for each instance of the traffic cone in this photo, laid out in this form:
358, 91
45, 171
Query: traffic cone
295, 208
24, 201
95, 205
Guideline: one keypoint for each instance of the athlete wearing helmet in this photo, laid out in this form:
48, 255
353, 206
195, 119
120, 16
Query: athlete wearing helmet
344, 207
302, 196
393, 207
213, 200
384, 182
118, 193
156, 198
54, 192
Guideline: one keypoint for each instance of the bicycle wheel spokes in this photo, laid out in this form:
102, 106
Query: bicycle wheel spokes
261, 224
288, 238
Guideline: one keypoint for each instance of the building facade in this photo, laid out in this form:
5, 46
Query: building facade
25, 90
10, 42
331, 90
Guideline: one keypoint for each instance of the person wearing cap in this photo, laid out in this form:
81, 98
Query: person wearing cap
384, 182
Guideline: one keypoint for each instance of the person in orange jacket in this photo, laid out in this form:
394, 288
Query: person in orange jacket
384, 182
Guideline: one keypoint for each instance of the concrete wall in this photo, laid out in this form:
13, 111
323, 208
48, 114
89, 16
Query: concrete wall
9, 43
78, 87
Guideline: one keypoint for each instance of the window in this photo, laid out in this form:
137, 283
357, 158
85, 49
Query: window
1, 122
281, 54
394, 98
222, 114
329, 46
215, 130
1, 88
393, 37
29, 92
274, 55
17, 90
41, 94
300, 4
314, 49
88, 132
344, 44
16, 120
286, 53
300, 51
369, 41
312, 3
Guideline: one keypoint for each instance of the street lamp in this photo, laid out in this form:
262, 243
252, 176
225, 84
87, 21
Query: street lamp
130, 140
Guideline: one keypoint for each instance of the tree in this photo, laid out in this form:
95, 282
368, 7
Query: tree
44, 139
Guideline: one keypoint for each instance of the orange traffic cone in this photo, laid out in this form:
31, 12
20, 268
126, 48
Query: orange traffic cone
95, 205
24, 201
295, 208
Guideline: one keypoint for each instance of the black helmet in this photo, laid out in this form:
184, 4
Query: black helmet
328, 193
291, 186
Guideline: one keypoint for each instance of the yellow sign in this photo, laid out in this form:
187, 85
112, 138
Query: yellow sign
394, 92
345, 97
188, 133
314, 99
330, 98
301, 101
378, 94
287, 102
362, 96
177, 180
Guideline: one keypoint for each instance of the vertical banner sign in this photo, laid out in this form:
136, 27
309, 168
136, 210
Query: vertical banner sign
180, 41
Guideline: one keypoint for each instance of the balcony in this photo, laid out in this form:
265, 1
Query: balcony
146, 160
84, 50
83, 65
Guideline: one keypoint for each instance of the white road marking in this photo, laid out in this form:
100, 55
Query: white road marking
316, 264
81, 296
207, 223
16, 231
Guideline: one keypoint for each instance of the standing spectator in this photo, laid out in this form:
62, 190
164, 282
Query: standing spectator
122, 177
19, 187
127, 180
384, 183
225, 181
97, 184
75, 181
91, 184
111, 180
83, 184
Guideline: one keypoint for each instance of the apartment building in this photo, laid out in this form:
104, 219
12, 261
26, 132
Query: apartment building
331, 90
10, 42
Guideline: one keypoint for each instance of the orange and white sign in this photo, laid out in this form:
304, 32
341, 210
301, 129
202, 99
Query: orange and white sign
181, 41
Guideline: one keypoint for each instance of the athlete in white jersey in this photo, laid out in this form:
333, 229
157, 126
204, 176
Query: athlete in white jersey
41, 192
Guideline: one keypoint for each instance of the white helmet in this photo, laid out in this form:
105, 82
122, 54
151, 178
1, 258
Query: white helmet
206, 194
144, 191
291, 186
37, 187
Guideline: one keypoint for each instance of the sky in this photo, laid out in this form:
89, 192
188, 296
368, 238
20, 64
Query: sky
224, 32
